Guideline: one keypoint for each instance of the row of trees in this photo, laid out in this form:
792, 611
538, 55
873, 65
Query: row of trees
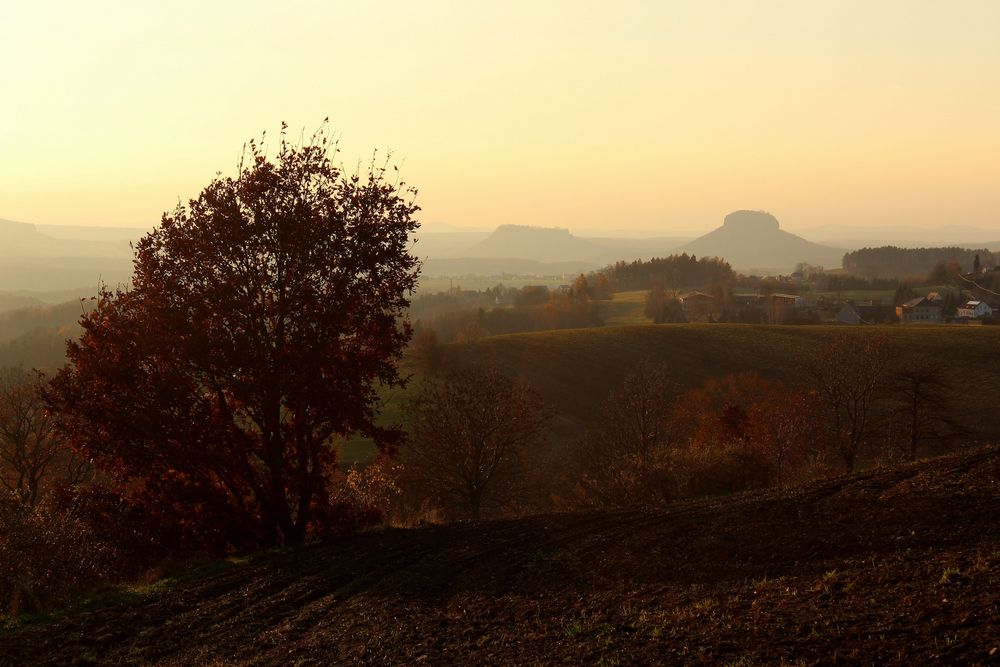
465, 316
675, 272
477, 437
890, 261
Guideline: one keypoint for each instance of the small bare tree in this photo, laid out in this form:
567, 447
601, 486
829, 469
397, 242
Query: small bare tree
849, 374
626, 454
923, 403
469, 435
31, 455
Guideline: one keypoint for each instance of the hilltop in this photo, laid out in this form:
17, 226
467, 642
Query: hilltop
896, 566
751, 240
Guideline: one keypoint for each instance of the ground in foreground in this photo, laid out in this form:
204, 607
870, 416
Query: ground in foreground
897, 566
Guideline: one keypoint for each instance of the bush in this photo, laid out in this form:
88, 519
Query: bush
722, 469
46, 555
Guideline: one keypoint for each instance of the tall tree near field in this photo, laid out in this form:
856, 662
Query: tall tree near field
849, 373
260, 321
470, 434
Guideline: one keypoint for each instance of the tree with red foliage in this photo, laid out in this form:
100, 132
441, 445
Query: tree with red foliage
261, 320
782, 423
759, 427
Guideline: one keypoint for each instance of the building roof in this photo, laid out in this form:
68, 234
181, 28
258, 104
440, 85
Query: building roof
695, 295
921, 302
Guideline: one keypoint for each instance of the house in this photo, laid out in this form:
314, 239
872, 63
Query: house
697, 305
921, 310
781, 307
975, 310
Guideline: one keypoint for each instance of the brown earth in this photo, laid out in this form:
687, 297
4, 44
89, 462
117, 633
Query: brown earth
897, 566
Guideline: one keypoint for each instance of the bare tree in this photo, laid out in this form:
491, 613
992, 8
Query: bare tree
922, 391
469, 435
30, 453
626, 454
849, 374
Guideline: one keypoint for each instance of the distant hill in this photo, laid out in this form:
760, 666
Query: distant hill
751, 240
895, 566
494, 266
439, 245
523, 249
542, 244
33, 260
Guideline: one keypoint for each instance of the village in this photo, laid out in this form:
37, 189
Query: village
778, 308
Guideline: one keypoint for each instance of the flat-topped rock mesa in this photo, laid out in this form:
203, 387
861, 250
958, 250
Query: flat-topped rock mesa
546, 244
754, 241
751, 221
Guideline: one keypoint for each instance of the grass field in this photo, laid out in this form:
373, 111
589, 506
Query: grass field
877, 296
625, 308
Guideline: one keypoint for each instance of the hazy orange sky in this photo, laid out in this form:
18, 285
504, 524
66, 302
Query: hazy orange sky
634, 115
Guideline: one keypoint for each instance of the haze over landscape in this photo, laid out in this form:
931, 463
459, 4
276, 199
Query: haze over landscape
517, 333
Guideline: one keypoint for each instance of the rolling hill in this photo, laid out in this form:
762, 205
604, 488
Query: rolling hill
753, 240
33, 260
896, 566
574, 369
523, 249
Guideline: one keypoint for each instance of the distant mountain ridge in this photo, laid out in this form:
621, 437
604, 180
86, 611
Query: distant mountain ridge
515, 248
754, 240
33, 260
542, 244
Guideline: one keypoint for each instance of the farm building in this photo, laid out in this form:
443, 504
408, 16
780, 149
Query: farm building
975, 310
922, 310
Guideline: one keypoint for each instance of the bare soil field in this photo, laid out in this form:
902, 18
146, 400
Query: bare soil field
898, 566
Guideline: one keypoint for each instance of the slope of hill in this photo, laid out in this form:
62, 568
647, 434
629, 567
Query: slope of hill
15, 323
575, 369
751, 240
512, 246
497, 266
31, 260
542, 244
897, 566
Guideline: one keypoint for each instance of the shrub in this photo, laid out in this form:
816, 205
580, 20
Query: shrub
47, 554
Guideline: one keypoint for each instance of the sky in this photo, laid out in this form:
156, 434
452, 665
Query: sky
660, 116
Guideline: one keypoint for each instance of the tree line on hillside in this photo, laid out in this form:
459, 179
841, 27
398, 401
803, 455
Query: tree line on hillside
894, 262
673, 272
464, 316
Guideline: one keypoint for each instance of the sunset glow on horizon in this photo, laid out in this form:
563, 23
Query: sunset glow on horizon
659, 116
